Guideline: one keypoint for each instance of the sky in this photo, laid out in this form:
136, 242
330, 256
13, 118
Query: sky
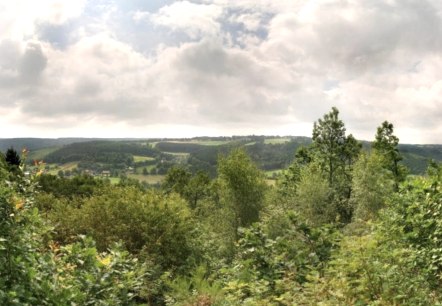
133, 68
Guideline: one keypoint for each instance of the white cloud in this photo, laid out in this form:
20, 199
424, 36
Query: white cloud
18, 18
194, 19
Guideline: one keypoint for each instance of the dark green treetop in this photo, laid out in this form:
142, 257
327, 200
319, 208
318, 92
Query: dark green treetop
12, 157
386, 145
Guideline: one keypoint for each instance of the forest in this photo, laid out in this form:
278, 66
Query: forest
345, 223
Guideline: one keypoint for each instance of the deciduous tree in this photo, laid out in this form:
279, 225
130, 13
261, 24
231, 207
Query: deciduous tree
245, 186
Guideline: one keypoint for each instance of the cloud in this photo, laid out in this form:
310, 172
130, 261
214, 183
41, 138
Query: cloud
229, 66
20, 18
32, 63
195, 20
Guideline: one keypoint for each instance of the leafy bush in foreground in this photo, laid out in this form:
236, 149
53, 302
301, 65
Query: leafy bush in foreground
36, 271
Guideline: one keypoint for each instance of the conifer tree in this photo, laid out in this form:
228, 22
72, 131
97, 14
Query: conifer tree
386, 145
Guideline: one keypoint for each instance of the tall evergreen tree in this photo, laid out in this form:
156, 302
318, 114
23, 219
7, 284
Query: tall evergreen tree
335, 153
386, 145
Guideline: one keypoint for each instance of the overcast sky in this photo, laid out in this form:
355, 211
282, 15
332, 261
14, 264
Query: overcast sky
133, 68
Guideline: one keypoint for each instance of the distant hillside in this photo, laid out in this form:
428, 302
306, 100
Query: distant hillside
200, 153
416, 157
37, 143
104, 151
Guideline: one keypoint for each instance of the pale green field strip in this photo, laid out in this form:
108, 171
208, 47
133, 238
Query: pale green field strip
54, 168
139, 170
178, 154
202, 142
276, 140
114, 180
150, 179
138, 158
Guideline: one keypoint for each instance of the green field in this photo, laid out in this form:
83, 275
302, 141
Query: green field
54, 168
114, 180
276, 140
139, 170
211, 142
202, 142
138, 158
150, 179
181, 154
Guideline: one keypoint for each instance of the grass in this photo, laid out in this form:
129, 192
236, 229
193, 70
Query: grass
202, 142
54, 168
182, 154
276, 140
212, 142
139, 170
138, 158
150, 179
114, 180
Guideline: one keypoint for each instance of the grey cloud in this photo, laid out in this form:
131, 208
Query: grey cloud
9, 54
87, 86
32, 63
375, 33
9, 57
227, 85
18, 68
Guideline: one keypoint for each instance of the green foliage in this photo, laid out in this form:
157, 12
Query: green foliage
150, 224
266, 269
386, 145
197, 189
245, 186
288, 183
197, 289
217, 229
372, 186
368, 270
112, 278
434, 171
331, 147
176, 180
12, 158
313, 197
396, 262
417, 216
335, 153
36, 271
78, 186
110, 152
